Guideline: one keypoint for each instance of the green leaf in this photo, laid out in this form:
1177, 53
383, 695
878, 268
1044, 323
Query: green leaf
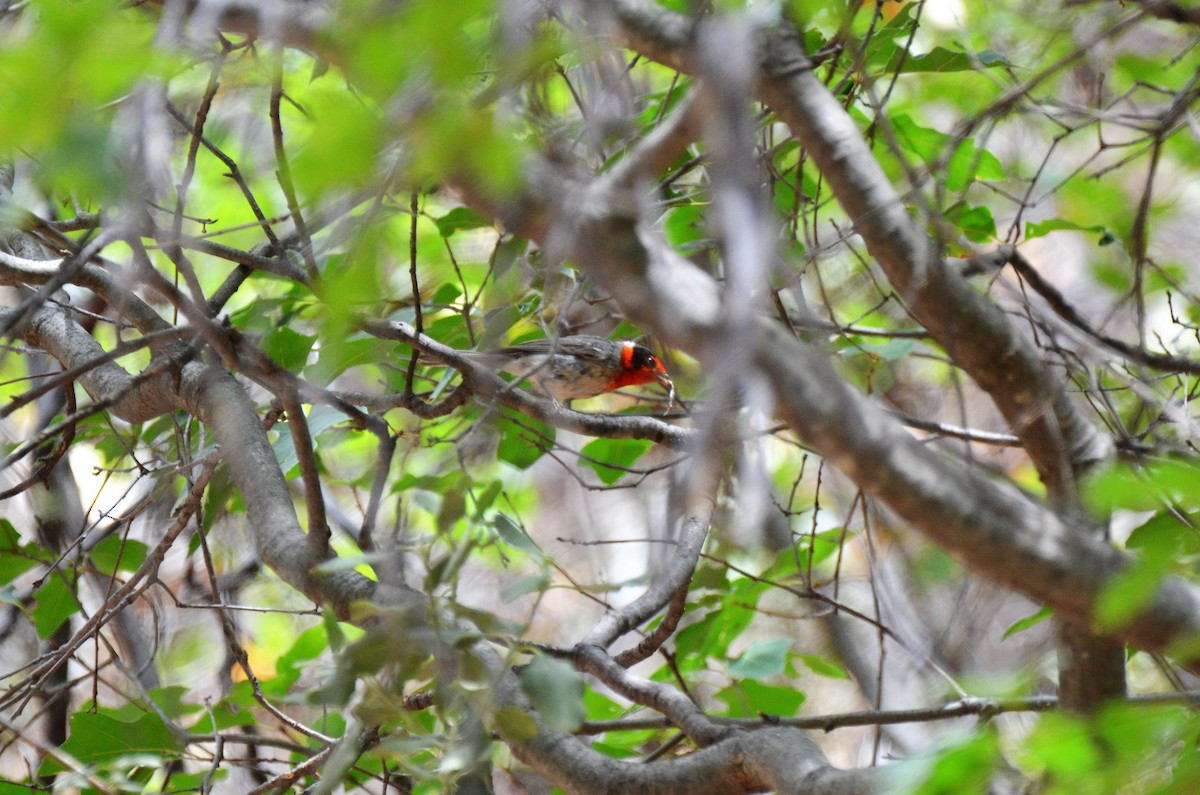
531, 583
514, 536
285, 452
764, 658
965, 165
343, 138
1035, 229
609, 458
556, 690
99, 737
969, 163
338, 354
322, 417
924, 142
822, 666
1130, 592
1166, 534
518, 446
309, 645
1165, 544
170, 701
1028, 621
976, 223
15, 558
486, 498
749, 698
1124, 486
894, 349
963, 769
601, 707
54, 604
939, 59
684, 227
1062, 746
453, 508
823, 545
461, 218
115, 554
93, 52
288, 348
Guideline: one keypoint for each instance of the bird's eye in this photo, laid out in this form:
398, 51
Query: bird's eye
642, 358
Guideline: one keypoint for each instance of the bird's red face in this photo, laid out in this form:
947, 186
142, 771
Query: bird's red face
640, 366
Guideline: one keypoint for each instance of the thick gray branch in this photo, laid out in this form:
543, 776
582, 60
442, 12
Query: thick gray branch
778, 758
214, 397
973, 330
992, 526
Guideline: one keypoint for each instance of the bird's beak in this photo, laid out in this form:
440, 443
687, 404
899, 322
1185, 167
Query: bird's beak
665, 381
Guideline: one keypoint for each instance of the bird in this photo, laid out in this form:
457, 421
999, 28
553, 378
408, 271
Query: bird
579, 366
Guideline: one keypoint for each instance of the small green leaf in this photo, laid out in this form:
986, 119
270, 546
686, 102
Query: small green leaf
924, 142
517, 445
1166, 533
609, 458
1130, 592
1028, 621
340, 149
54, 604
1144, 488
822, 666
461, 218
115, 554
170, 701
453, 508
15, 558
287, 347
749, 698
989, 166
1111, 276
508, 253
528, 584
969, 163
939, 59
285, 452
894, 349
322, 417
601, 707
433, 483
976, 223
764, 658
1062, 746
308, 646
556, 690
963, 769
823, 545
339, 355
486, 498
514, 536
1035, 229
684, 226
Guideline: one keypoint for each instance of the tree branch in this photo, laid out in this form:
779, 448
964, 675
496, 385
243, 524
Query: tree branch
491, 387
